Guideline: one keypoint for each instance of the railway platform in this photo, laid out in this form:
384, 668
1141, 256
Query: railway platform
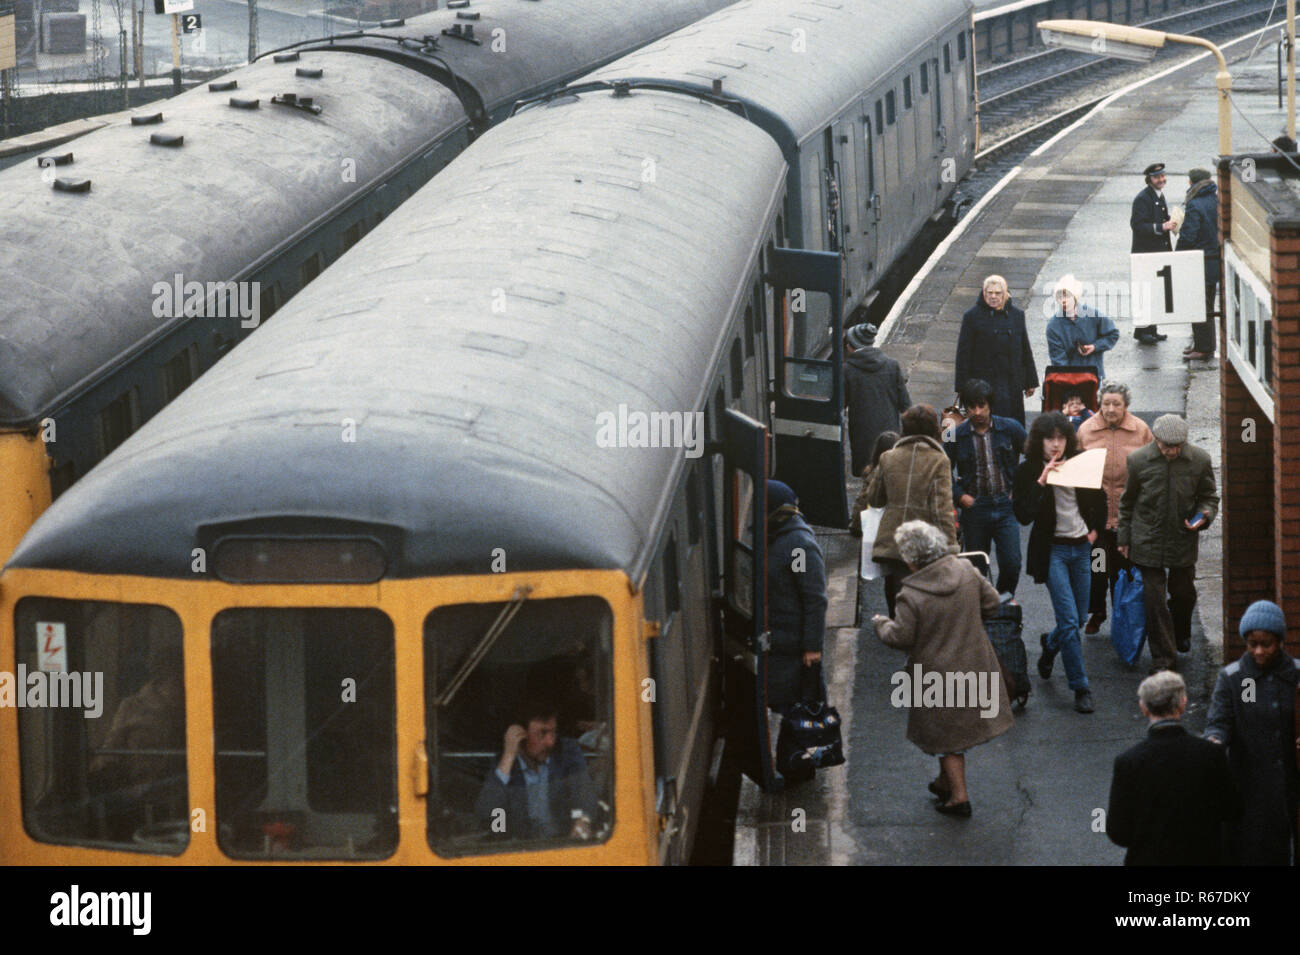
1035, 790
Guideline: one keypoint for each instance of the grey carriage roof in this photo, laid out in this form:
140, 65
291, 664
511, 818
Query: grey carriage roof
77, 270
576, 36
577, 258
803, 78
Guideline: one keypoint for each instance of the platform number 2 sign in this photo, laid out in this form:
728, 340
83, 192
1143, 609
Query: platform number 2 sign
191, 22
1168, 288
52, 647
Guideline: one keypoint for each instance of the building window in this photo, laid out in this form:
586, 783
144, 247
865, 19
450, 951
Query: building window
1249, 320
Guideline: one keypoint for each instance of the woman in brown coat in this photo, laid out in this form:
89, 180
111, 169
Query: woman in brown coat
912, 482
952, 684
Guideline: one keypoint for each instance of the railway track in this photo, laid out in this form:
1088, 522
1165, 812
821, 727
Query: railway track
1033, 97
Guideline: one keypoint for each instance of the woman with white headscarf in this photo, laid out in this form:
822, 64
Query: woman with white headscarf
1078, 334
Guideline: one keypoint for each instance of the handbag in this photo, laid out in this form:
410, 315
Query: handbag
810, 731
1128, 625
870, 528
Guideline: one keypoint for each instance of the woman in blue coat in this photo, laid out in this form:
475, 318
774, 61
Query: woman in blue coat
994, 345
796, 597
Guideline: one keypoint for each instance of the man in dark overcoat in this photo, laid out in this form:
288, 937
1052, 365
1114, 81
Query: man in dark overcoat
1151, 228
1201, 231
1172, 795
994, 345
875, 392
1252, 712
796, 598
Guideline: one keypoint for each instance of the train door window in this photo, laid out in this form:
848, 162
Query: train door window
907, 92
961, 45
270, 299
740, 587
814, 225
880, 118
780, 231
672, 578
737, 370
179, 371
352, 234
309, 269
947, 58
535, 676
749, 331
693, 506
890, 111
118, 419
925, 79
103, 764
304, 769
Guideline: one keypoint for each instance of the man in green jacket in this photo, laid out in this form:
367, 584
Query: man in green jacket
1169, 498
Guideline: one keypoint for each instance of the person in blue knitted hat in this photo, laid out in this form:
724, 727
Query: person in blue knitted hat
1253, 714
796, 597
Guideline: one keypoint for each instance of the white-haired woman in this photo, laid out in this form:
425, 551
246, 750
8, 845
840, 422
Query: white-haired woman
937, 620
1078, 334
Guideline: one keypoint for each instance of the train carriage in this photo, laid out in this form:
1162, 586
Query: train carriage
136, 256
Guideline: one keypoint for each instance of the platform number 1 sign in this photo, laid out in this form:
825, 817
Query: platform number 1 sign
52, 647
1168, 288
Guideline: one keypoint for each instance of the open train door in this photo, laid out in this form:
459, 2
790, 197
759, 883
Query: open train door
809, 396
749, 741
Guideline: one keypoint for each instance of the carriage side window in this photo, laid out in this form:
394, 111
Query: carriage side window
925, 78
270, 299
179, 371
102, 748
693, 506
880, 118
907, 92
118, 419
961, 45
309, 269
890, 112
947, 58
780, 231
749, 331
519, 723
672, 578
352, 234
305, 727
737, 370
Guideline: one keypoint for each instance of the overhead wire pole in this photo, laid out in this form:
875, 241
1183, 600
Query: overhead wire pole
176, 52
252, 30
1290, 69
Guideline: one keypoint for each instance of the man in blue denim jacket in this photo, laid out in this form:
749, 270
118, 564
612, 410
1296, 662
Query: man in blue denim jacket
986, 449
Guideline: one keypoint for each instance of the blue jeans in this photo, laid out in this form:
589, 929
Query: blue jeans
992, 519
1069, 580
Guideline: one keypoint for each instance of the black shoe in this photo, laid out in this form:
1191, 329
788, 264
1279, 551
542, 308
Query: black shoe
1082, 701
961, 809
1094, 623
1045, 661
1184, 644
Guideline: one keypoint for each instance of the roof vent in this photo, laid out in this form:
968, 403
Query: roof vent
307, 72
468, 16
286, 57
622, 88
72, 185
167, 139
457, 4
462, 33
717, 87
389, 24
148, 119
238, 103
223, 86
303, 103
62, 159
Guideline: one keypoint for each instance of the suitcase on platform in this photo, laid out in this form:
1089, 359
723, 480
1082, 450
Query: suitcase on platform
1006, 630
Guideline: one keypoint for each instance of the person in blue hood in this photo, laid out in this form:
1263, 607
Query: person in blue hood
796, 597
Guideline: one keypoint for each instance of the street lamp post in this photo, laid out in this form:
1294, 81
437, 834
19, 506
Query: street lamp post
1139, 43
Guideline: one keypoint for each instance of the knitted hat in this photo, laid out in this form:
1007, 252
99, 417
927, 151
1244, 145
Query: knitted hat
1068, 283
1198, 175
1263, 615
1170, 429
862, 336
779, 494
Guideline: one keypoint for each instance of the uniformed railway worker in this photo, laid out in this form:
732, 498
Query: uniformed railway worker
1151, 227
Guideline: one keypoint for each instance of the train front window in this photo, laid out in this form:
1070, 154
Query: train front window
304, 715
519, 721
102, 725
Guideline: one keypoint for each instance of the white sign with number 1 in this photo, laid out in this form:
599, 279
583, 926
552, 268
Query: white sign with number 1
1168, 288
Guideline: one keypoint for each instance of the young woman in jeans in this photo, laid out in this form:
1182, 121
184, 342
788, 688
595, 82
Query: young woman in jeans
1065, 522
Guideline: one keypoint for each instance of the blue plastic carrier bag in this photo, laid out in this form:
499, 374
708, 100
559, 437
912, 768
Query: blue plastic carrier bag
1128, 624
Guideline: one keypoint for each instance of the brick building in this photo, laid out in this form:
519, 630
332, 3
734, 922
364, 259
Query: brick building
1259, 335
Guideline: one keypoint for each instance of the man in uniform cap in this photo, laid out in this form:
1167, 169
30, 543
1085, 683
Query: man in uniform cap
1201, 231
1151, 227
1168, 499
875, 392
